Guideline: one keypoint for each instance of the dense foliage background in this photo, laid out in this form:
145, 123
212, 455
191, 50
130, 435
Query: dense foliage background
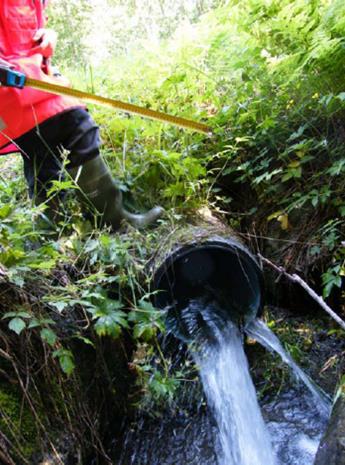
268, 77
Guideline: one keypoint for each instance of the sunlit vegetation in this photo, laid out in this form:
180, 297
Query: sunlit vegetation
268, 77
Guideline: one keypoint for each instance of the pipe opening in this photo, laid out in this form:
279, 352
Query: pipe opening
219, 271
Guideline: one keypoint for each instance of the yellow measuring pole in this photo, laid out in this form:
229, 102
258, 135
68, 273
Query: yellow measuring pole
126, 107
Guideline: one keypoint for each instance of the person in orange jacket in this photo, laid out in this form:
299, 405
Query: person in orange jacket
41, 125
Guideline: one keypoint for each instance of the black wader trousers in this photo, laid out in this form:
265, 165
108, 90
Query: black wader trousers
42, 148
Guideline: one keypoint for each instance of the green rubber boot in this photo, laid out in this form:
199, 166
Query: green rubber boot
99, 188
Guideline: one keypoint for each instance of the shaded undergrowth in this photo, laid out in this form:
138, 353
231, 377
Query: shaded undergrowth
79, 335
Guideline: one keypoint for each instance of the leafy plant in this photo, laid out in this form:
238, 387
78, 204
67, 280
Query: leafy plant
147, 321
268, 77
66, 360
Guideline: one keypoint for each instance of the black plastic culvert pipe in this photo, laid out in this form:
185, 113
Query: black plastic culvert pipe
209, 267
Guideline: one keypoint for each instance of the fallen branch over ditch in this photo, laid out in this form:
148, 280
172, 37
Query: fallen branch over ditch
297, 279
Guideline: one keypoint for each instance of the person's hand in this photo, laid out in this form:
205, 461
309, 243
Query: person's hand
47, 39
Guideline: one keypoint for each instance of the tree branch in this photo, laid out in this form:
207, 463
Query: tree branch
297, 279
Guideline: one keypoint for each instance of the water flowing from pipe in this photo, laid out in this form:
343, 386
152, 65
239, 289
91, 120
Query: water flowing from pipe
258, 330
233, 431
231, 394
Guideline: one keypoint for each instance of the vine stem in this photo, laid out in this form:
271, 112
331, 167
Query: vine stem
297, 279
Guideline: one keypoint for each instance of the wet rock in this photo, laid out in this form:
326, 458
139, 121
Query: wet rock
332, 447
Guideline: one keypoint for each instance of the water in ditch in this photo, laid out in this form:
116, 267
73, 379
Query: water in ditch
232, 429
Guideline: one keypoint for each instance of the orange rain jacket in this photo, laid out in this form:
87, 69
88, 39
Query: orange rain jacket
22, 109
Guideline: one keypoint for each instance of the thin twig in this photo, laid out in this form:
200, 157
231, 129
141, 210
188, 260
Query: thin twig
3, 274
6, 459
297, 279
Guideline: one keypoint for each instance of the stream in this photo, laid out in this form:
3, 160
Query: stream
230, 427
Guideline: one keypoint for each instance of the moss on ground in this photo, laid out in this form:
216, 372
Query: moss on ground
17, 422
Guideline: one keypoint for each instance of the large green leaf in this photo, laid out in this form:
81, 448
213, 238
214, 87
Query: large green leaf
17, 325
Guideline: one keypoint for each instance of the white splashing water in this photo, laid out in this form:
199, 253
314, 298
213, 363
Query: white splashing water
294, 424
262, 333
231, 394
